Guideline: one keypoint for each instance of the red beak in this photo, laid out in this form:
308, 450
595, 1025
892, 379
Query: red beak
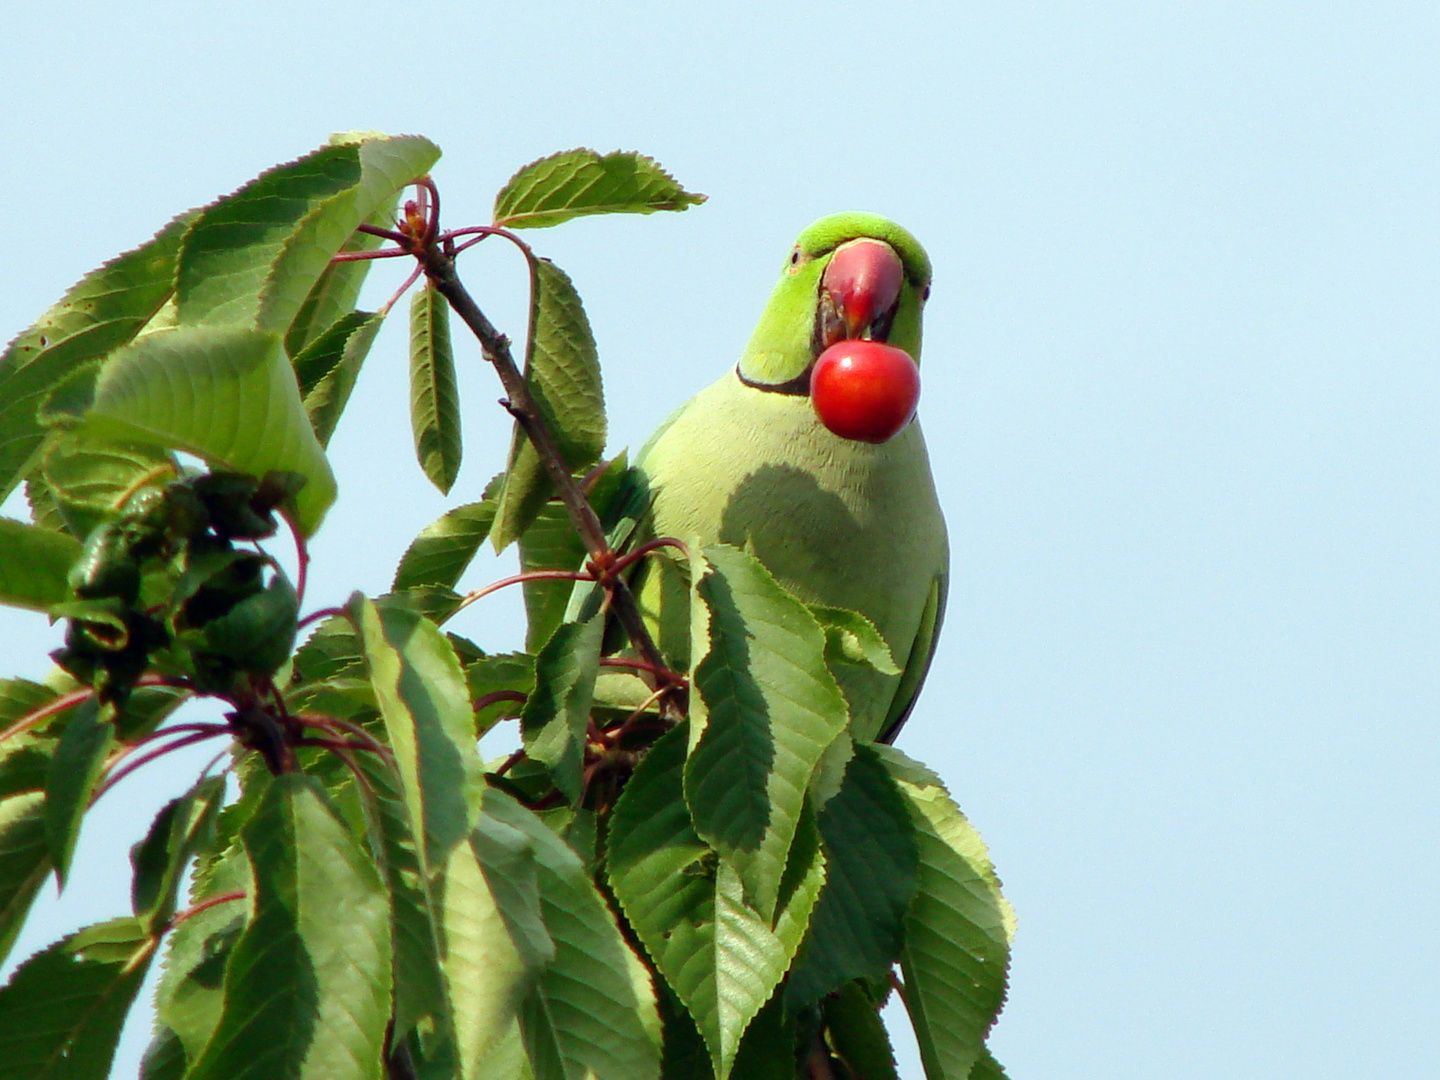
863, 281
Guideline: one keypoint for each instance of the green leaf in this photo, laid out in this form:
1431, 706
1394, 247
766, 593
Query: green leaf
257, 634
90, 480
254, 257
722, 959
61, 1012
191, 996
512, 673
428, 720
770, 709
224, 393
496, 944
330, 365
420, 995
551, 543
331, 652
987, 1068
562, 369
554, 721
434, 397
181, 828
575, 182
25, 756
593, 1007
34, 562
74, 771
307, 988
24, 861
957, 932
444, 549
104, 310
858, 1034
871, 867
852, 638
333, 297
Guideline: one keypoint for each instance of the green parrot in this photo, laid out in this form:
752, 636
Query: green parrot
839, 522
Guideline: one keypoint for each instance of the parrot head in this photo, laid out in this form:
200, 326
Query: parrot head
850, 275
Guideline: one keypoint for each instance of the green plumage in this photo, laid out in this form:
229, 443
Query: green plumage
843, 523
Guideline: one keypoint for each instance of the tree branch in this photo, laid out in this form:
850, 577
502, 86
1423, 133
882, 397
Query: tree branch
495, 346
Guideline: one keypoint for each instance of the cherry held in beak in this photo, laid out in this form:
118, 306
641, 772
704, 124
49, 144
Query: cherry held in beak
865, 390
863, 281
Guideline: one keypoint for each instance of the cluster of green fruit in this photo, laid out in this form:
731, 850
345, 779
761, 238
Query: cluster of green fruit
161, 586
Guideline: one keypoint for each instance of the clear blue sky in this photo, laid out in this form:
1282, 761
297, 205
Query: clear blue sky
1181, 384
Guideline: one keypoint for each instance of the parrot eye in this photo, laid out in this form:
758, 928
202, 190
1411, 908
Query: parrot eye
925, 295
795, 257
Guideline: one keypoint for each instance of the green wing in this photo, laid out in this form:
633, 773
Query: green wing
917, 665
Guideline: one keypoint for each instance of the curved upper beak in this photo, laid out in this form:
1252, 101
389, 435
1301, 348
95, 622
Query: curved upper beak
860, 290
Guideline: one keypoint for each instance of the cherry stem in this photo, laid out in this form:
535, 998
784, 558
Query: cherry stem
630, 558
322, 613
361, 256
516, 579
659, 670
401, 291
159, 751
77, 697
204, 905
302, 557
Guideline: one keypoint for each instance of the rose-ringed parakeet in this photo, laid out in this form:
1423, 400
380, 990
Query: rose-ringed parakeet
838, 521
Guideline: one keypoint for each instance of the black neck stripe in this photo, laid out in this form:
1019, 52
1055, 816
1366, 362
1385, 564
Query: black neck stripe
796, 387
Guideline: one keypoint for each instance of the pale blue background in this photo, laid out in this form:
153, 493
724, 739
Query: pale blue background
1180, 388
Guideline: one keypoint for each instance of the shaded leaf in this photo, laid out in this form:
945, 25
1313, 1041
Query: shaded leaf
307, 988
25, 757
575, 182
495, 939
104, 310
224, 393
330, 365
503, 673
957, 932
858, 1035
24, 861
722, 959
987, 1068
191, 995
428, 720
434, 396
61, 1012
34, 562
770, 708
74, 772
554, 721
335, 293
593, 1007
255, 256
562, 369
419, 989
444, 549
551, 543
871, 866
181, 828
90, 480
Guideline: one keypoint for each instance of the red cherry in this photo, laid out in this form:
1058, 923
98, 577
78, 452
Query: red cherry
865, 390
